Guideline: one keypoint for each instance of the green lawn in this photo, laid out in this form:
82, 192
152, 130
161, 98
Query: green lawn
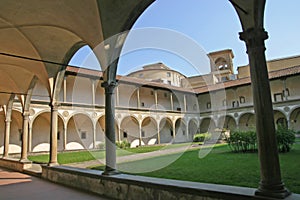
220, 166
81, 156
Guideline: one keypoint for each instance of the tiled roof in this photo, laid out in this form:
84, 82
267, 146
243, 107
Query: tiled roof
142, 82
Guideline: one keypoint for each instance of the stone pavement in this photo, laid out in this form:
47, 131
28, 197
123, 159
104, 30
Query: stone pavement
15, 185
137, 156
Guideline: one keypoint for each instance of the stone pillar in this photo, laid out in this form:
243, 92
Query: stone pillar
138, 98
110, 139
6, 138
270, 184
65, 89
65, 137
155, 99
158, 134
94, 135
184, 103
171, 101
24, 137
119, 133
30, 138
140, 134
93, 92
53, 135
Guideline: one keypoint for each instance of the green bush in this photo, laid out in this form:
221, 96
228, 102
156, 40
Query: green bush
285, 139
123, 144
242, 141
200, 137
246, 141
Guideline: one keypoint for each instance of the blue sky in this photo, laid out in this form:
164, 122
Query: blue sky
212, 25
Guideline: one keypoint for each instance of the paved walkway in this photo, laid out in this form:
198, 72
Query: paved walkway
137, 156
16, 186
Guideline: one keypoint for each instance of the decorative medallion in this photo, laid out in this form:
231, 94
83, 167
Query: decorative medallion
31, 112
65, 113
235, 115
286, 109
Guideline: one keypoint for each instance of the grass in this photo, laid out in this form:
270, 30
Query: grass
221, 166
81, 156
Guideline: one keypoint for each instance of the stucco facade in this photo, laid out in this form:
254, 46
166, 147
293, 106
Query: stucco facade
148, 112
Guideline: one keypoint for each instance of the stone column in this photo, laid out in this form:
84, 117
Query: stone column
270, 184
94, 135
155, 99
174, 129
140, 134
65, 89
171, 101
6, 138
65, 137
158, 134
53, 135
110, 139
25, 137
93, 92
30, 138
138, 98
184, 103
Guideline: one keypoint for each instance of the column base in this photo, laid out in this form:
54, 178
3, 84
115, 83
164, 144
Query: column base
52, 164
110, 171
274, 191
25, 160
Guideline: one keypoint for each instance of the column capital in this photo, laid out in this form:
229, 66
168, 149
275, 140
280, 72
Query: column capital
54, 105
26, 113
254, 37
109, 87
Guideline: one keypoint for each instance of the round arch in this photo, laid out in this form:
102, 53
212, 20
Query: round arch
227, 122
207, 124
247, 121
130, 128
100, 131
41, 132
166, 130
149, 131
181, 132
295, 119
2, 130
193, 127
80, 132
280, 119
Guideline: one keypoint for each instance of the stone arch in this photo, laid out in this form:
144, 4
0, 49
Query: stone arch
166, 130
295, 119
193, 127
280, 118
227, 122
247, 121
181, 132
149, 130
80, 133
130, 128
100, 130
207, 125
41, 132
15, 139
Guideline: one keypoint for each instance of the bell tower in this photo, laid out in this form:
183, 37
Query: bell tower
221, 64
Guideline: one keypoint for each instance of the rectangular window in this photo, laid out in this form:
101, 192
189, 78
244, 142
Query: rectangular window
142, 104
58, 135
208, 105
166, 95
151, 92
83, 134
143, 133
168, 74
242, 99
183, 132
224, 103
124, 134
278, 97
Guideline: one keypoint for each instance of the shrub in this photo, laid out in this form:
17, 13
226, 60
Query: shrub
123, 144
200, 137
285, 139
246, 141
242, 141
101, 145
